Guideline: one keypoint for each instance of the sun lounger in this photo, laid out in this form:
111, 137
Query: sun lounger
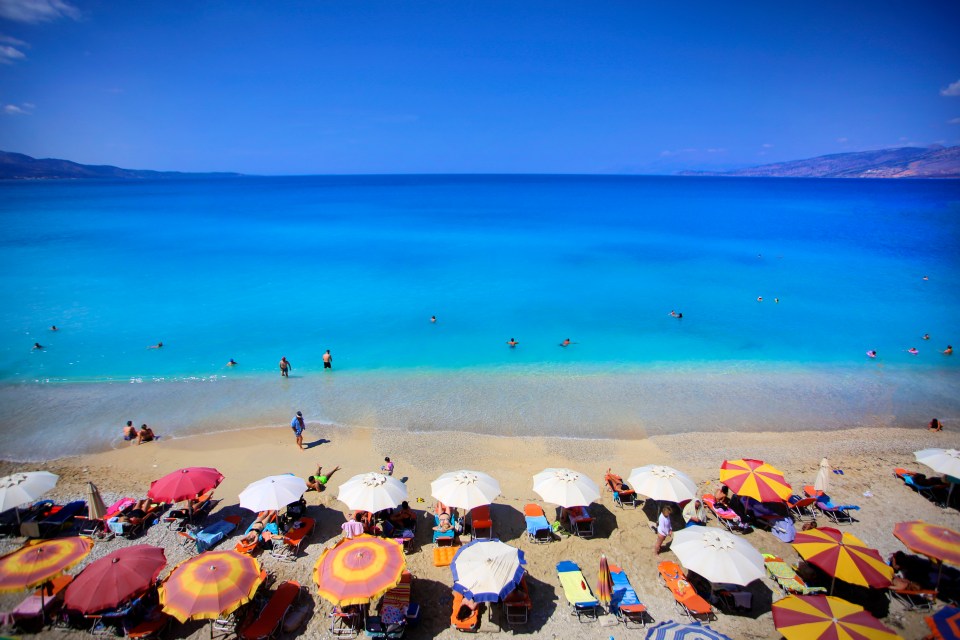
838, 514
580, 522
481, 524
464, 618
55, 522
180, 519
210, 535
154, 623
624, 602
688, 601
271, 616
441, 538
271, 532
623, 495
730, 520
517, 604
538, 528
733, 598
914, 599
346, 622
786, 578
396, 611
810, 492
288, 546
802, 508
582, 602
12, 520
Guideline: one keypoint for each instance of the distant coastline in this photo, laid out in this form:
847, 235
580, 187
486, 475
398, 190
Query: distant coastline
17, 166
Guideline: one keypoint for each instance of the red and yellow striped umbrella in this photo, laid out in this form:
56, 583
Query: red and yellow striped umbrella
844, 556
210, 585
756, 479
41, 560
357, 570
826, 618
604, 582
932, 541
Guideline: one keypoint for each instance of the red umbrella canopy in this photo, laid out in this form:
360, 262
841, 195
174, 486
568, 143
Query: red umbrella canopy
115, 579
184, 484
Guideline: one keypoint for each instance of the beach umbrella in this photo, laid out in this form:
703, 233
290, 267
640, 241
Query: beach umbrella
465, 489
943, 461
565, 487
184, 484
718, 555
670, 630
210, 585
662, 483
96, 509
372, 492
755, 479
272, 493
20, 488
604, 582
38, 561
487, 570
946, 622
822, 482
931, 540
843, 555
115, 578
826, 618
358, 570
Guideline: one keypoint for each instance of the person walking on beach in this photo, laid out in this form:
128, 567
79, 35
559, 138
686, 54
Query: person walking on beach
298, 426
285, 367
664, 528
327, 360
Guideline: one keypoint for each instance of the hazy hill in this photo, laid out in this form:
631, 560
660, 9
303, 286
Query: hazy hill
905, 162
17, 166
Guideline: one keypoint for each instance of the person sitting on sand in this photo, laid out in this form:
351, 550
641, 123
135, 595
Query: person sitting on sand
948, 351
695, 514
258, 530
935, 425
404, 517
318, 481
129, 431
146, 434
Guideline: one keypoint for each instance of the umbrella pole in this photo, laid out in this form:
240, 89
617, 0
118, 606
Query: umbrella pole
833, 581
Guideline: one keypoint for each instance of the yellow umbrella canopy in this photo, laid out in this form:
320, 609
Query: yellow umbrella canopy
826, 618
210, 585
844, 556
41, 560
755, 479
355, 571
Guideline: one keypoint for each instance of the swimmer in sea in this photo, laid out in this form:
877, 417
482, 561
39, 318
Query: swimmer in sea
948, 351
565, 343
232, 363
871, 354
512, 343
37, 345
776, 300
926, 336
759, 298
433, 319
159, 345
53, 327
912, 351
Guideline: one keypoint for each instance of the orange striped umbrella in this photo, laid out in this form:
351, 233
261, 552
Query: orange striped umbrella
826, 618
755, 479
844, 556
41, 560
604, 582
935, 542
355, 571
210, 585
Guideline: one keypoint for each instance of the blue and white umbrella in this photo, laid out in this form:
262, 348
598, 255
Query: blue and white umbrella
487, 570
670, 630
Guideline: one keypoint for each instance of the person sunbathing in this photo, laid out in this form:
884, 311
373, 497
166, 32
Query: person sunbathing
444, 525
136, 513
318, 481
404, 517
258, 528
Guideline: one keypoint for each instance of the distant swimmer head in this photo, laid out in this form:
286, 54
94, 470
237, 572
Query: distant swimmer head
948, 350
759, 298
53, 327
872, 353
433, 318
232, 362
37, 345
926, 336
913, 350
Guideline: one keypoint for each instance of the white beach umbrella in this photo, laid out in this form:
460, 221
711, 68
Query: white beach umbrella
662, 483
487, 570
944, 461
718, 555
822, 482
465, 489
20, 488
372, 492
272, 493
565, 487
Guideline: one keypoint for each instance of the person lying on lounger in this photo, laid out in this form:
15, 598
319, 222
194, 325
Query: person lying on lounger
257, 529
444, 525
136, 513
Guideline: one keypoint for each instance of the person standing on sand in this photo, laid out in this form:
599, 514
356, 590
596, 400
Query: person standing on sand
664, 528
298, 426
327, 360
285, 367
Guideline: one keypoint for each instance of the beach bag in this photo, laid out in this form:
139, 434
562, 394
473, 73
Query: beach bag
785, 530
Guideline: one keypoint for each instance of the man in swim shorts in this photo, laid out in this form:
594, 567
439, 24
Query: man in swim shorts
319, 480
285, 367
327, 360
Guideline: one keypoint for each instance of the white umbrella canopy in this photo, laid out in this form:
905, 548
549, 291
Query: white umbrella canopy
565, 487
945, 461
822, 482
465, 489
20, 488
487, 570
718, 555
372, 492
272, 493
662, 483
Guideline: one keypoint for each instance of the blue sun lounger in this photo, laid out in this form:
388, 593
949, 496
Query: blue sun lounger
624, 601
538, 528
836, 513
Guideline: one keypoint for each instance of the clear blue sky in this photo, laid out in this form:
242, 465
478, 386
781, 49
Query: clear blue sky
508, 86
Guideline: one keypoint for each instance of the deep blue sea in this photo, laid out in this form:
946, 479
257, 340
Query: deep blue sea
256, 268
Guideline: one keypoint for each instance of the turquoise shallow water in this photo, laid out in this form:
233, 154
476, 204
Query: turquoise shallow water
256, 268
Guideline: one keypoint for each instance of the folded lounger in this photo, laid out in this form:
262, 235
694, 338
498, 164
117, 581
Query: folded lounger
623, 495
577, 591
210, 535
271, 616
517, 604
687, 600
463, 618
624, 601
481, 524
730, 520
786, 578
836, 513
538, 529
54, 523
288, 546
580, 522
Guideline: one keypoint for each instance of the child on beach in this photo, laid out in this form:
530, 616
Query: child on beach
388, 467
664, 528
935, 425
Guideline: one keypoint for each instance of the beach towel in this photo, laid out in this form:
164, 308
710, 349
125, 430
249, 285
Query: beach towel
213, 534
536, 523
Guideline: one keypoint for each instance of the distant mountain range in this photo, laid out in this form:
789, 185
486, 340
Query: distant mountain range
905, 162
17, 166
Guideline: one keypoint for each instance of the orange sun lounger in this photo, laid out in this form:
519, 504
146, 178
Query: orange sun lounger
623, 496
288, 547
272, 615
688, 601
463, 618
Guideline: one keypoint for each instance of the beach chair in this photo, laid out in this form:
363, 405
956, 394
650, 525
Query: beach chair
153, 624
582, 602
270, 532
623, 495
786, 578
730, 520
407, 537
180, 519
288, 546
517, 604
464, 618
445, 538
913, 599
686, 599
33, 613
55, 522
396, 611
481, 524
271, 616
538, 528
810, 492
580, 522
346, 622
624, 602
733, 599
206, 538
837, 514
802, 508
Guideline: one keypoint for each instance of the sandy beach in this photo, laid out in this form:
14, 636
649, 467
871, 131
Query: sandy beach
866, 455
